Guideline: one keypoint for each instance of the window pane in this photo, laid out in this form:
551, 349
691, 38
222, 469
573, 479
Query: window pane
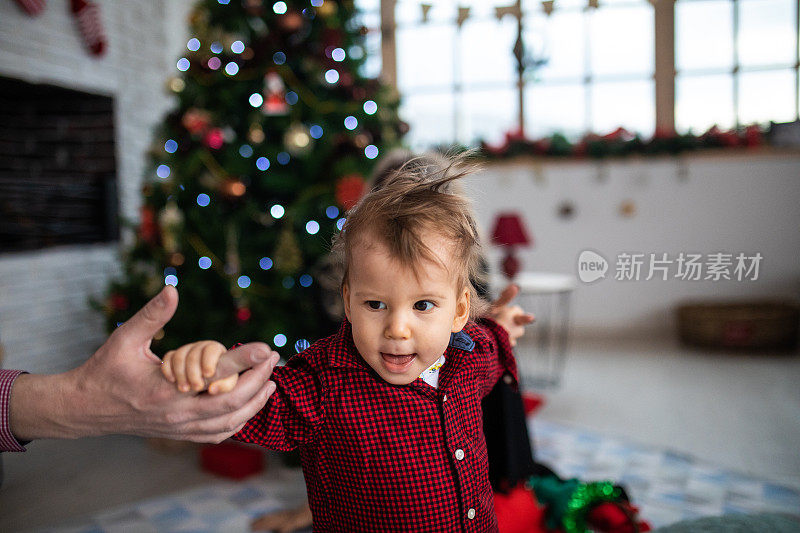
430, 117
410, 12
630, 104
766, 32
425, 56
702, 101
372, 44
555, 108
765, 96
560, 39
487, 115
486, 51
534, 6
622, 40
704, 35
368, 5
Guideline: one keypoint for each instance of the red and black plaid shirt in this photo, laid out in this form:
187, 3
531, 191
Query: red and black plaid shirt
380, 457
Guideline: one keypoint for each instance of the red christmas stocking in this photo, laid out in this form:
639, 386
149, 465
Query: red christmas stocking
87, 14
31, 7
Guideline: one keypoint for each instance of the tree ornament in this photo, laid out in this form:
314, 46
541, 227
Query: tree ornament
288, 258
291, 21
254, 8
176, 259
176, 84
274, 95
345, 79
90, 24
243, 314
214, 138
233, 188
171, 221
196, 120
119, 302
148, 227
256, 134
349, 190
297, 139
199, 19
362, 140
328, 9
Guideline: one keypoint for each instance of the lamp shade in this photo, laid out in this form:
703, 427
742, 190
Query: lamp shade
509, 230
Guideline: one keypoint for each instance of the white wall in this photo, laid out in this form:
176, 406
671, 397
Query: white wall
45, 322
699, 203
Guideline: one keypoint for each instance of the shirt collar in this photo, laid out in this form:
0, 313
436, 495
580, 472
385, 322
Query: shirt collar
345, 355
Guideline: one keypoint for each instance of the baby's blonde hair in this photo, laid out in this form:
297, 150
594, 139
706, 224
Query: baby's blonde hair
416, 198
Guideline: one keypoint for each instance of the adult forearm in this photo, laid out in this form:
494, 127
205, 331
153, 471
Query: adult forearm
45, 406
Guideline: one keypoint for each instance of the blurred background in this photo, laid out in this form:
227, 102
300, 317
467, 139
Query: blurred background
640, 165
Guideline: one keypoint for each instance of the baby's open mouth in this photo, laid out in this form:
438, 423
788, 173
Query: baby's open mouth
397, 362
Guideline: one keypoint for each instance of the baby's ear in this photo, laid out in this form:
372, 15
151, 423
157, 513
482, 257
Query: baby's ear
346, 300
462, 311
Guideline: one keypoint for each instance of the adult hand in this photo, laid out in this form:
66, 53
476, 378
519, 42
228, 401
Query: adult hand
512, 318
120, 389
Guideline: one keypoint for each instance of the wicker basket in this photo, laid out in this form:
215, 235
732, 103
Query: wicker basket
762, 325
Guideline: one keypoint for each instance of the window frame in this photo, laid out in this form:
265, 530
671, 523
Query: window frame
664, 77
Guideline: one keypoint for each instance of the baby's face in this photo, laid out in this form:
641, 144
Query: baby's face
402, 322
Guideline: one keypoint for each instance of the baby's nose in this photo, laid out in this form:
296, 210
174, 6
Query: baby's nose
397, 327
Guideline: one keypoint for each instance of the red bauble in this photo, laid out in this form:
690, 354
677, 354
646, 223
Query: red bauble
214, 138
243, 314
196, 120
119, 302
291, 21
148, 228
349, 190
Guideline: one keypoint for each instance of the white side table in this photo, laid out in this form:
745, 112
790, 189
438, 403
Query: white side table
542, 353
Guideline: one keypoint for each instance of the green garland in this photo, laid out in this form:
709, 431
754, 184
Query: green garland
569, 501
583, 499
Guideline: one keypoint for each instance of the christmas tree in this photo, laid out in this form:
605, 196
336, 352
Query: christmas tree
251, 173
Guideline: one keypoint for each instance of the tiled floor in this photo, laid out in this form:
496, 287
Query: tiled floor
688, 432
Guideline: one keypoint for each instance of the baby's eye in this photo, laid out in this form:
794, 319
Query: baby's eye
376, 304
423, 305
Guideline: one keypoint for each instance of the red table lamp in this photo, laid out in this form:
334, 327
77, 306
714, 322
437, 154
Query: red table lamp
510, 232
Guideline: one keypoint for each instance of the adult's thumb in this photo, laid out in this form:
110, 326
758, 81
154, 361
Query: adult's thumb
152, 317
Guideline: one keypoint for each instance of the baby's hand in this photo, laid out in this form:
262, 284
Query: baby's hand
513, 319
193, 365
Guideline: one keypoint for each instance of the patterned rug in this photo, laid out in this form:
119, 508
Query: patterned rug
666, 486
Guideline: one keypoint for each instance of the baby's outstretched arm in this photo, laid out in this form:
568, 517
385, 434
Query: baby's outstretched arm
193, 366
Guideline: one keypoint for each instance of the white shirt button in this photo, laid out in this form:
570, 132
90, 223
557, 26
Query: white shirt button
471, 514
459, 454
508, 379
